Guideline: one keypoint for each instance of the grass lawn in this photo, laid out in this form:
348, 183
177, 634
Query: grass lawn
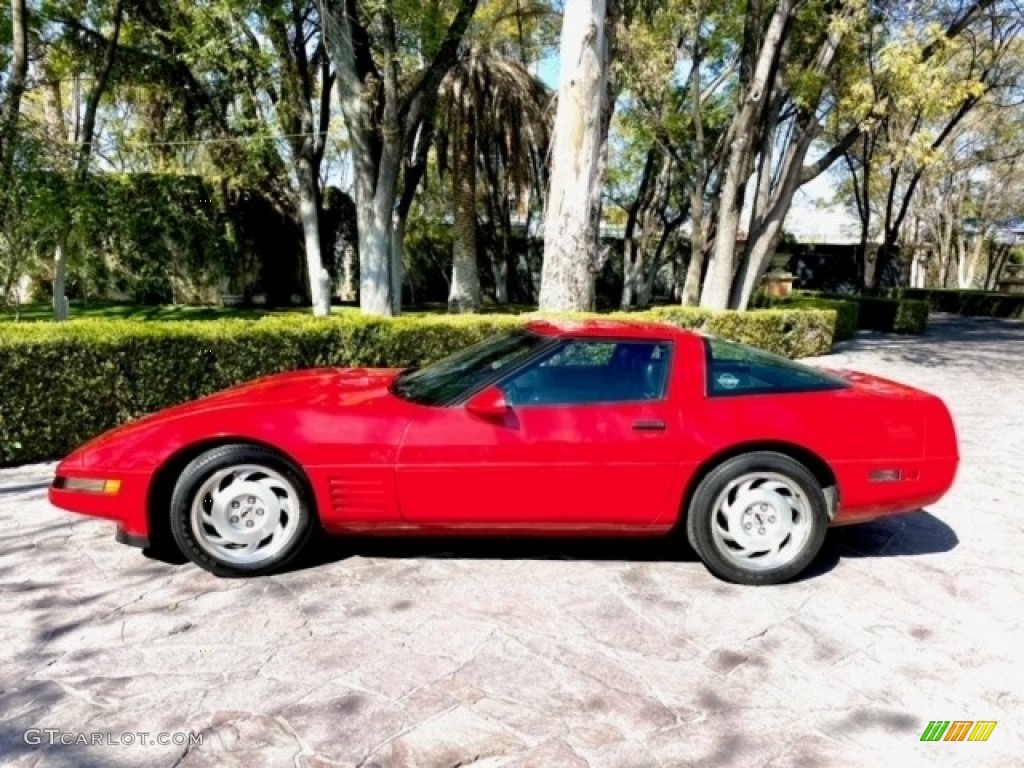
42, 312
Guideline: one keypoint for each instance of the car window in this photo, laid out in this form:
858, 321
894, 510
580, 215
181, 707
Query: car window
446, 380
580, 372
736, 369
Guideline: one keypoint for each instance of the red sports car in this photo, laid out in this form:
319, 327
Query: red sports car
585, 428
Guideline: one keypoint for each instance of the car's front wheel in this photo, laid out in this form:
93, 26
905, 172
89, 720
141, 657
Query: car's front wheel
241, 510
758, 518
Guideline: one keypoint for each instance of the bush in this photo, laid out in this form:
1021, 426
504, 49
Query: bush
790, 333
63, 384
878, 313
911, 316
970, 303
847, 310
892, 315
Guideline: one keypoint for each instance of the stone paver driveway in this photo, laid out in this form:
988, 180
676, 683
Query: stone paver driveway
445, 654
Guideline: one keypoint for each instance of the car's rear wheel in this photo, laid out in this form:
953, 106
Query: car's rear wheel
241, 510
757, 518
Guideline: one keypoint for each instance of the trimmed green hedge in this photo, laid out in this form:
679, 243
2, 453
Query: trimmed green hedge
970, 303
63, 384
889, 315
847, 311
788, 332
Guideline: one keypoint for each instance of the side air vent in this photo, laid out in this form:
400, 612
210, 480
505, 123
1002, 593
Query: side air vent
356, 498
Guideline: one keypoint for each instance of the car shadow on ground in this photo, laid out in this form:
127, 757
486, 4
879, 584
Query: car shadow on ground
918, 533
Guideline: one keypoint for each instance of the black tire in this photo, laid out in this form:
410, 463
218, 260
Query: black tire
786, 481
283, 502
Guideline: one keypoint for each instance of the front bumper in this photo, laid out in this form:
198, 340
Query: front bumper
127, 507
131, 539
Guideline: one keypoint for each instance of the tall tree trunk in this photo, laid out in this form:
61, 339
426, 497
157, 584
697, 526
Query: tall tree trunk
572, 214
398, 263
15, 90
464, 295
689, 288
632, 253
60, 278
375, 222
645, 293
970, 260
760, 244
309, 213
997, 259
718, 283
701, 219
348, 289
502, 260
86, 137
767, 232
307, 132
382, 118
775, 196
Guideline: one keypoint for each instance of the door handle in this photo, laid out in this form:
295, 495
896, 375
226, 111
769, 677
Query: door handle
649, 425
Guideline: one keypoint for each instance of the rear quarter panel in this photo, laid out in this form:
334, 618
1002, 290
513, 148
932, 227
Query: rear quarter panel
855, 431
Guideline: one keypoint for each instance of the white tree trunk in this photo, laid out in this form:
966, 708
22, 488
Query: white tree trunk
397, 264
632, 264
346, 255
916, 270
499, 267
572, 215
374, 261
375, 209
60, 279
464, 294
759, 259
969, 260
309, 213
718, 283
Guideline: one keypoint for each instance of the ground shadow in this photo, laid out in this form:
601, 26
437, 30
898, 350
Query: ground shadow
918, 533
14, 490
979, 343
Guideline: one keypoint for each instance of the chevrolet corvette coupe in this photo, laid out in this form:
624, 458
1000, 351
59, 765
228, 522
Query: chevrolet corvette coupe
559, 428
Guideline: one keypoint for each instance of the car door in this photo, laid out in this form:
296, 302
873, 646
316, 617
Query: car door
591, 439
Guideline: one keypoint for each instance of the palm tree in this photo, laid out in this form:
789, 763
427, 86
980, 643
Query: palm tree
493, 121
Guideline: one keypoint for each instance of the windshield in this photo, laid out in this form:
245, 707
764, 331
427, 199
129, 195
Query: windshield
446, 380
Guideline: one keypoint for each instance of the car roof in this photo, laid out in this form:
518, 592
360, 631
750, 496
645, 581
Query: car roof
601, 327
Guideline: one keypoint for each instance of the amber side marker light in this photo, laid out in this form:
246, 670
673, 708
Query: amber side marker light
886, 476
88, 485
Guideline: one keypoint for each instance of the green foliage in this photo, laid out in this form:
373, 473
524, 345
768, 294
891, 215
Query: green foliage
791, 333
889, 315
886, 315
970, 303
65, 383
33, 204
847, 313
155, 234
911, 316
847, 310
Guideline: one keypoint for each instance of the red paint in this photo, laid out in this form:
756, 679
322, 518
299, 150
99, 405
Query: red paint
381, 464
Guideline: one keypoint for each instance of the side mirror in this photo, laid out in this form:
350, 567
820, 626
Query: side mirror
489, 405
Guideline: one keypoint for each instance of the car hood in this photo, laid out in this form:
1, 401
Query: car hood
319, 386
339, 386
